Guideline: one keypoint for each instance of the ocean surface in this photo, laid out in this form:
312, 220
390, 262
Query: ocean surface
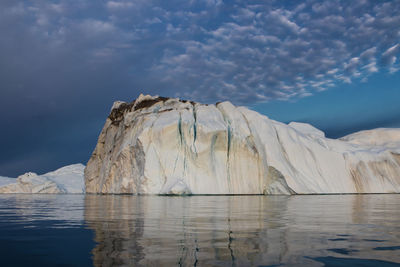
123, 230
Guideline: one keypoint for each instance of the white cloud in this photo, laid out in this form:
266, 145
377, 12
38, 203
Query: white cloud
118, 5
153, 21
333, 71
368, 54
279, 16
59, 8
91, 26
371, 67
391, 51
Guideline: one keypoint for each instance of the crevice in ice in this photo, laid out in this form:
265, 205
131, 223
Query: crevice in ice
212, 152
180, 128
229, 139
180, 139
184, 162
194, 129
228, 168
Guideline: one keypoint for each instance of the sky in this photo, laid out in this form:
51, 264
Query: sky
334, 64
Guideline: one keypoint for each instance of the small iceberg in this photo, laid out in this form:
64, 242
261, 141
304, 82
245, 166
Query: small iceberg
66, 180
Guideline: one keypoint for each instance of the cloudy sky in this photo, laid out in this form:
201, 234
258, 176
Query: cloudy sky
334, 64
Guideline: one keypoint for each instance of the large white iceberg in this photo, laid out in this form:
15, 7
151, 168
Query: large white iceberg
157, 145
67, 180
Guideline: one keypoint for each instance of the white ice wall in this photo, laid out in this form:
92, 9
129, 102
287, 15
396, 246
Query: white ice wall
169, 146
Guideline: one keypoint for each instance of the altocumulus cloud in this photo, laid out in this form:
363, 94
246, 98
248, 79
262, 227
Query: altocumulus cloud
71, 59
209, 50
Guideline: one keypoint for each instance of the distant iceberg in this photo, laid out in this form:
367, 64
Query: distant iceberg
66, 180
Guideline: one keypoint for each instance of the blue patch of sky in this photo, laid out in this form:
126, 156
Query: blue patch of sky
344, 109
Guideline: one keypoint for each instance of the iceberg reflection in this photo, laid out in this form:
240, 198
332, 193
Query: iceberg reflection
241, 230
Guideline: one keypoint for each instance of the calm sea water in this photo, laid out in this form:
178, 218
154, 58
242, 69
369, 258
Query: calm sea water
318, 230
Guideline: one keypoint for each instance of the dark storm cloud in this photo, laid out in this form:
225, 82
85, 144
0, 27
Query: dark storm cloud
63, 62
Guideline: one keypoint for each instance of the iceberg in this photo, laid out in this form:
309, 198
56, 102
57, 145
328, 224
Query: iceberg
6, 181
158, 145
66, 180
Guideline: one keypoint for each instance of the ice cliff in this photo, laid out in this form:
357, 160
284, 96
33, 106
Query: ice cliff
68, 180
157, 145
